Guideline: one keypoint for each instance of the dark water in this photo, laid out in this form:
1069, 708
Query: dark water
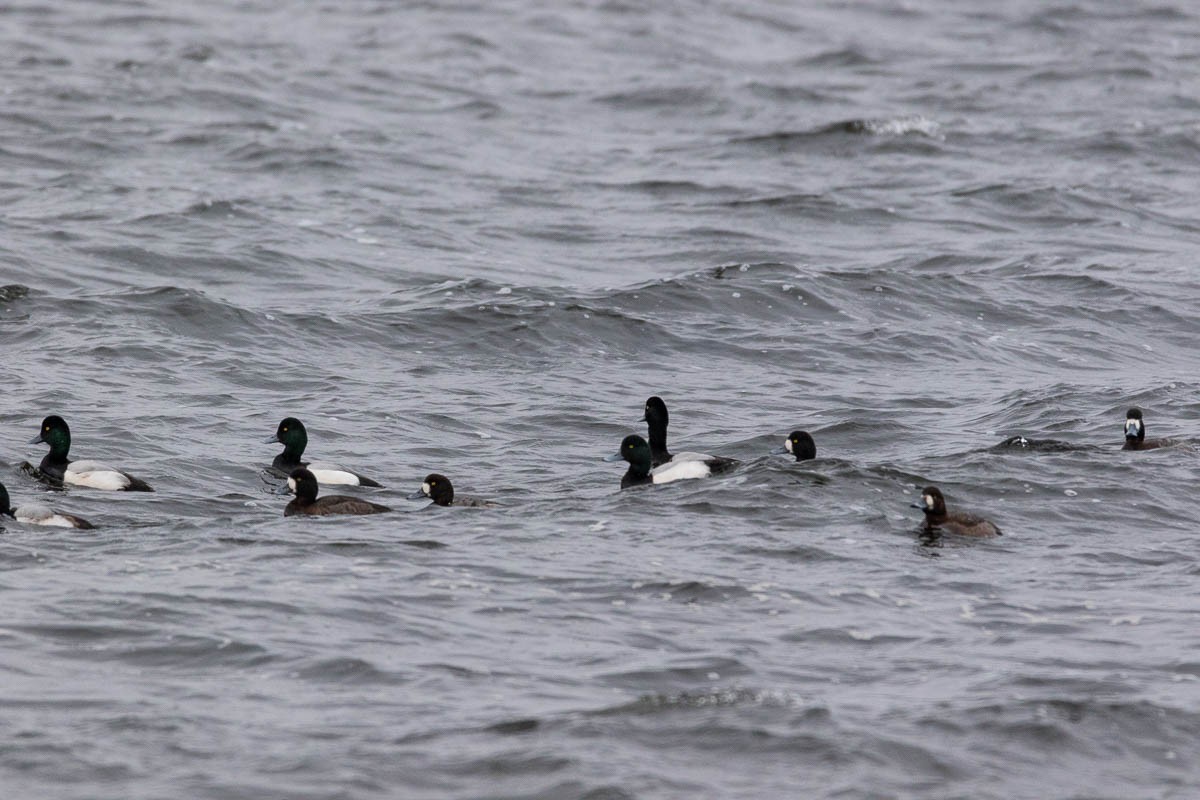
473, 238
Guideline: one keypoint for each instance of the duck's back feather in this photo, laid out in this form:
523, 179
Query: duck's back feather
38, 514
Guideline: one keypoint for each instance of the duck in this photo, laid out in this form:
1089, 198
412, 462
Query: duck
963, 524
304, 484
657, 419
1135, 433
38, 514
92, 474
294, 438
438, 488
800, 444
636, 451
1046, 445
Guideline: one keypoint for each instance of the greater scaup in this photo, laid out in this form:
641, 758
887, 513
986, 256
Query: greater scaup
438, 488
961, 523
92, 474
657, 419
304, 484
294, 438
636, 451
38, 514
1046, 445
1135, 433
800, 444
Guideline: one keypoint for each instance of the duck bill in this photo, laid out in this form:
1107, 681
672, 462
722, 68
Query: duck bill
1131, 429
37, 439
271, 440
419, 494
779, 451
614, 457
921, 506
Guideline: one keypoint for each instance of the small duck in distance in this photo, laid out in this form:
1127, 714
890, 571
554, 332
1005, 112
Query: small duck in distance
306, 502
937, 518
438, 488
1135, 433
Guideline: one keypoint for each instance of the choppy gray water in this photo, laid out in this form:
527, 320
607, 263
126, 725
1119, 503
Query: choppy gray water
473, 238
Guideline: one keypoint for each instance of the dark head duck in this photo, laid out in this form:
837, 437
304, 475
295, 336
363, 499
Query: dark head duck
800, 444
657, 419
938, 519
304, 484
37, 514
294, 438
60, 469
1135, 433
636, 452
438, 488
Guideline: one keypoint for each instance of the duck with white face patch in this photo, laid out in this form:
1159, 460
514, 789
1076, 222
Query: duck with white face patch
799, 444
306, 503
1135, 433
939, 520
438, 488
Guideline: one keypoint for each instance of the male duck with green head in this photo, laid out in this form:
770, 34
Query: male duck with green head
92, 474
636, 451
294, 438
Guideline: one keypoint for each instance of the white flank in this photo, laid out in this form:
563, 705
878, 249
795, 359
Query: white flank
41, 515
679, 471
688, 456
95, 475
333, 475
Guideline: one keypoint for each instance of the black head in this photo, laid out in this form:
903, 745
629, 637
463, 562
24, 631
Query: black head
1135, 429
54, 432
293, 437
5, 508
656, 412
634, 450
437, 488
799, 444
932, 502
290, 433
304, 484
